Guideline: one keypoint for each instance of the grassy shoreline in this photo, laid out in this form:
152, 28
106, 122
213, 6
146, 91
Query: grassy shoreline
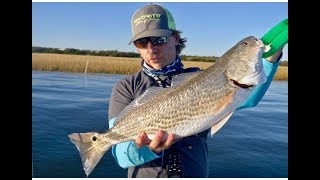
108, 65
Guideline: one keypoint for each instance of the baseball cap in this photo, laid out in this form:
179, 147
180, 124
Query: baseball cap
152, 20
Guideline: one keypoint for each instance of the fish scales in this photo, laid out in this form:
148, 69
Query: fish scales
168, 120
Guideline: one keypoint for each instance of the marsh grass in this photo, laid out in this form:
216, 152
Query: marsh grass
109, 65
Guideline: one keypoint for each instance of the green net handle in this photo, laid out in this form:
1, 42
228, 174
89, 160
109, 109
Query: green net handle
276, 38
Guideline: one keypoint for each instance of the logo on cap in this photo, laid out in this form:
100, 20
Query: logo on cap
147, 18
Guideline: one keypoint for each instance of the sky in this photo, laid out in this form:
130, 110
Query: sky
211, 28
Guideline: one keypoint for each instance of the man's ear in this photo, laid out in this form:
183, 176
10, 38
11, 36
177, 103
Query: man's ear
177, 37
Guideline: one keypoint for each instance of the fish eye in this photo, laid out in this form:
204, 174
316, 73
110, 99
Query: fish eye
94, 138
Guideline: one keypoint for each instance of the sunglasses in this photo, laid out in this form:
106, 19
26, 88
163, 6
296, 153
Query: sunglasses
156, 41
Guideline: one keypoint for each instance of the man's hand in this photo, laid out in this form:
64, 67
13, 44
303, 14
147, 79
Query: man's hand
273, 58
161, 141
276, 38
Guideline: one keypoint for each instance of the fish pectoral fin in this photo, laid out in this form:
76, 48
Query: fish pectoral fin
223, 103
219, 124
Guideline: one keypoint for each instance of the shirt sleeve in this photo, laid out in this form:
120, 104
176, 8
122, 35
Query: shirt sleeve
127, 154
259, 91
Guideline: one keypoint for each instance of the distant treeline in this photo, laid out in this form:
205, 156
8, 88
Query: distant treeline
73, 51
116, 53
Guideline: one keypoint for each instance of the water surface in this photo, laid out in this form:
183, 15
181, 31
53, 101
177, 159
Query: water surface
253, 143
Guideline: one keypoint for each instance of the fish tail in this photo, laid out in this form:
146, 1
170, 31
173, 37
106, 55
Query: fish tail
91, 149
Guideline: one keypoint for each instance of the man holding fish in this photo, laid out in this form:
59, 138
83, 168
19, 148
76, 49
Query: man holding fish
160, 117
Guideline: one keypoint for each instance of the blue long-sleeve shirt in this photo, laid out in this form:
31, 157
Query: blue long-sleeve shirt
127, 154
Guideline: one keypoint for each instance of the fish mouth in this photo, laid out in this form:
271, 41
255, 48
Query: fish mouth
244, 86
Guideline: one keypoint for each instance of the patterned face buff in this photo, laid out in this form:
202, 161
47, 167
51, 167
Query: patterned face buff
175, 67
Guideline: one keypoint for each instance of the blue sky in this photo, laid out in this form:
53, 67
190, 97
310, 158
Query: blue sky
211, 28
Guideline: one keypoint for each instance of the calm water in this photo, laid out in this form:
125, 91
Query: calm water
253, 143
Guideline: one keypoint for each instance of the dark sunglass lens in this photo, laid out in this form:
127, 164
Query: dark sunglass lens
158, 40
141, 43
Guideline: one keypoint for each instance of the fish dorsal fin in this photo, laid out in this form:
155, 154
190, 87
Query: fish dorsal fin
219, 124
149, 94
179, 79
153, 91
